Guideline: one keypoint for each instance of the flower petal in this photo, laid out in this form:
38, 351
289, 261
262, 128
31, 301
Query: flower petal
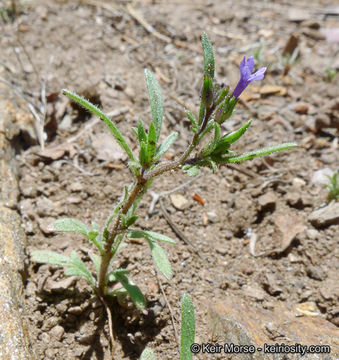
245, 68
250, 63
258, 75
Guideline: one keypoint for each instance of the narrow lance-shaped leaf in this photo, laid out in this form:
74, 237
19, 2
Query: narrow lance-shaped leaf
155, 99
96, 261
143, 155
151, 141
141, 133
50, 257
165, 146
194, 123
260, 152
137, 234
71, 225
224, 143
209, 148
78, 268
95, 110
187, 328
160, 258
208, 55
133, 290
207, 91
221, 95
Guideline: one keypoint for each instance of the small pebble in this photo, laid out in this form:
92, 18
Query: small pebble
57, 332
76, 187
301, 108
179, 201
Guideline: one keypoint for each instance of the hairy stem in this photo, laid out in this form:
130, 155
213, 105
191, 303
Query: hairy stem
138, 189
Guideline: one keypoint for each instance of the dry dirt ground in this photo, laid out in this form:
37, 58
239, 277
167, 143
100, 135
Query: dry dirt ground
254, 231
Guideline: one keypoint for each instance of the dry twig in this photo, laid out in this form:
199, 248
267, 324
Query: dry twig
169, 308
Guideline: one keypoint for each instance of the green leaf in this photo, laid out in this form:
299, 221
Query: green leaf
209, 148
143, 155
237, 134
202, 112
208, 55
193, 171
260, 152
222, 95
78, 268
164, 147
187, 328
131, 220
96, 261
76, 226
160, 258
119, 293
155, 99
112, 275
217, 131
225, 109
135, 131
96, 111
134, 166
74, 266
71, 225
191, 117
147, 354
213, 166
50, 257
141, 133
151, 141
225, 142
137, 234
95, 226
207, 91
133, 290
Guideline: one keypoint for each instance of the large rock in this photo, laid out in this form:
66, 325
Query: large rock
233, 321
328, 215
14, 342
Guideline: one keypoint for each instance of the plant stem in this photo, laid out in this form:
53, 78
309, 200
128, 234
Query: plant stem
138, 188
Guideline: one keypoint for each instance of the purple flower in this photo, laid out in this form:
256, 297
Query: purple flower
246, 76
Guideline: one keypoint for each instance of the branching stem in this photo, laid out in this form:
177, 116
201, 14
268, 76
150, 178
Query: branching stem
138, 188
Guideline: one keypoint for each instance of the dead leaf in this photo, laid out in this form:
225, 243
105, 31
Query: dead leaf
273, 90
199, 199
286, 228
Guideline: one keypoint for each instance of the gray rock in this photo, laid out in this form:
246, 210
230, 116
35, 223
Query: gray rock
328, 215
316, 273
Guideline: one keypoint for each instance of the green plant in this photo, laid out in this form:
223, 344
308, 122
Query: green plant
187, 345
9, 10
217, 105
330, 73
333, 186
